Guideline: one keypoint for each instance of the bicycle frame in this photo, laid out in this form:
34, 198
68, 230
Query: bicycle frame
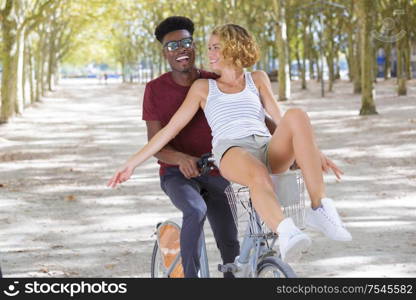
203, 260
255, 245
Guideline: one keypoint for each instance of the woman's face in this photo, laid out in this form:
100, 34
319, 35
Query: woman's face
216, 60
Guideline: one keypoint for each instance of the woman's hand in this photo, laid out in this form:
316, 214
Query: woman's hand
329, 164
123, 174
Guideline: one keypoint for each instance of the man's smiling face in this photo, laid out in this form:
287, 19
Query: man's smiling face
181, 59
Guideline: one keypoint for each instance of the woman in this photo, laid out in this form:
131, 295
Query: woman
242, 146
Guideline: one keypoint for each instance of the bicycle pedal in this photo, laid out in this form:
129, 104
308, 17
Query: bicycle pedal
230, 267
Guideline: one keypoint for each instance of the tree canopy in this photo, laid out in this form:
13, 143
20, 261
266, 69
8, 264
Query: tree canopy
305, 39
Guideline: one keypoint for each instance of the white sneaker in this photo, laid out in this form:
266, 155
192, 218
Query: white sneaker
292, 241
327, 220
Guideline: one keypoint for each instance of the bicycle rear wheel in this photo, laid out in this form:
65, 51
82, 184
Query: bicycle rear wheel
157, 270
273, 267
166, 252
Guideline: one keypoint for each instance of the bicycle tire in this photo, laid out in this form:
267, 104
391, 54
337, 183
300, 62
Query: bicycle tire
155, 263
168, 235
158, 269
275, 267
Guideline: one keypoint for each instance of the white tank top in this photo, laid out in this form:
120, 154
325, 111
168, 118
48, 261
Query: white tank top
237, 115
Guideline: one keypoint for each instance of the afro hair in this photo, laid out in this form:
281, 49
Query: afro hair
172, 24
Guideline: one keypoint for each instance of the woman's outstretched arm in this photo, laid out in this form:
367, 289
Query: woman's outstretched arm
178, 121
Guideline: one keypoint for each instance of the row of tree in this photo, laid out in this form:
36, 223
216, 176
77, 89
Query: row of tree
37, 35
315, 34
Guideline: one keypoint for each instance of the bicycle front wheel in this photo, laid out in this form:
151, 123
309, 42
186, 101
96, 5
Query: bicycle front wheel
273, 267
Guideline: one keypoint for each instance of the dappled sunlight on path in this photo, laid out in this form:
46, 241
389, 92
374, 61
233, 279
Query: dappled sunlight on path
57, 218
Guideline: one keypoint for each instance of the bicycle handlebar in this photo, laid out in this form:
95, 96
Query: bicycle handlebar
205, 163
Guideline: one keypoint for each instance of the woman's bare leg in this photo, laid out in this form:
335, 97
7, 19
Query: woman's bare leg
294, 139
238, 165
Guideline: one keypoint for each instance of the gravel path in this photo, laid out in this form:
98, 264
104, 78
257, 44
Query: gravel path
58, 219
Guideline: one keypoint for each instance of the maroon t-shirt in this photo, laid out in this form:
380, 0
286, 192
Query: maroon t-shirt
162, 98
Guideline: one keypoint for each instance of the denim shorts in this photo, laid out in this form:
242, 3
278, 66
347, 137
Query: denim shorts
256, 145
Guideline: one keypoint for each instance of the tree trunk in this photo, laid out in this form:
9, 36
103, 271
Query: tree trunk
269, 59
311, 54
26, 82
204, 41
387, 62
350, 55
39, 58
9, 76
31, 74
367, 99
304, 53
330, 50
289, 64
160, 58
123, 70
43, 67
402, 45
374, 63
330, 62
401, 70
19, 72
318, 70
283, 72
354, 49
349, 64
337, 74
56, 73
350, 70
152, 69
311, 68
356, 65
297, 51
408, 64
51, 60
303, 74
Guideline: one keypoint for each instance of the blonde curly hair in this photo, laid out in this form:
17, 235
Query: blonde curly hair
238, 45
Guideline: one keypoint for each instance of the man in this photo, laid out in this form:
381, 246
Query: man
196, 196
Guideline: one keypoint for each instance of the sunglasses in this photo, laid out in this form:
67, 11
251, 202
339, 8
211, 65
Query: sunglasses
175, 45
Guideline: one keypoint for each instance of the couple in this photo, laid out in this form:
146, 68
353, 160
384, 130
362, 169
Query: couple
246, 150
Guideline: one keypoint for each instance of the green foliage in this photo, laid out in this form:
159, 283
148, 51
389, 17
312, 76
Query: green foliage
121, 31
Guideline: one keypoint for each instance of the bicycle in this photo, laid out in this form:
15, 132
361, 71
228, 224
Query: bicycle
258, 258
166, 251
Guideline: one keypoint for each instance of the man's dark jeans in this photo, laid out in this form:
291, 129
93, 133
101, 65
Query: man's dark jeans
197, 198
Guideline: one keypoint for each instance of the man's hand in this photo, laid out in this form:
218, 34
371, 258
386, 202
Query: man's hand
187, 165
329, 164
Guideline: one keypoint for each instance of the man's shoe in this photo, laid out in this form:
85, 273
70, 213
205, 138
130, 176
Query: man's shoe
292, 241
327, 220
